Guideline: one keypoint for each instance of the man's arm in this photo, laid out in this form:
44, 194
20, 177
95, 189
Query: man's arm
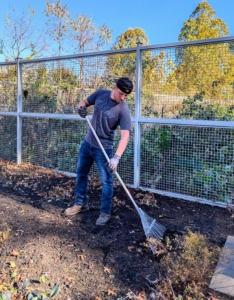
120, 150
84, 103
123, 142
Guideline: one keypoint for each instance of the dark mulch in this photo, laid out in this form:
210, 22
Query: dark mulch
85, 260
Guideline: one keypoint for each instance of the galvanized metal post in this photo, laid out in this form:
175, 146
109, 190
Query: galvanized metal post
137, 116
19, 110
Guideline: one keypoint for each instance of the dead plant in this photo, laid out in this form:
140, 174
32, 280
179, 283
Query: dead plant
188, 272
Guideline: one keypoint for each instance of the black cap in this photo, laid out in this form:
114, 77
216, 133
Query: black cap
124, 84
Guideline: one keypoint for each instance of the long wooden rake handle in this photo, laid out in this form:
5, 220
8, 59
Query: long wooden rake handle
108, 160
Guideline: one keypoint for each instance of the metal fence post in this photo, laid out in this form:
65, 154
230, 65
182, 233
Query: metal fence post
19, 110
137, 116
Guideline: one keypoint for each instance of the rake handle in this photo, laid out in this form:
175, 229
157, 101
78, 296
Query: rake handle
108, 160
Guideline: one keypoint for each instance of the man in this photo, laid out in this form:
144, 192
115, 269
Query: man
110, 111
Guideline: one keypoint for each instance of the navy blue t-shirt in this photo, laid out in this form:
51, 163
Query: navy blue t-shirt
107, 115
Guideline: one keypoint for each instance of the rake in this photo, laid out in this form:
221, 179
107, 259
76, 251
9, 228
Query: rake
152, 229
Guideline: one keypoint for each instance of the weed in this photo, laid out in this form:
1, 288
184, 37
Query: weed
189, 271
27, 293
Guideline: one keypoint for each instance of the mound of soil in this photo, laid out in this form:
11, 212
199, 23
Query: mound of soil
87, 261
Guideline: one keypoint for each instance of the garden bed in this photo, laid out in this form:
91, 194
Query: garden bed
89, 262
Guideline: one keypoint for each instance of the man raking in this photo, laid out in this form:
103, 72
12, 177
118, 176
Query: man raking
110, 111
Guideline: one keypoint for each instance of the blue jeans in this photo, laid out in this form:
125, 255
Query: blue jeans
87, 155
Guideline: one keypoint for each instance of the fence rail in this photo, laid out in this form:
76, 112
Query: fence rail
182, 107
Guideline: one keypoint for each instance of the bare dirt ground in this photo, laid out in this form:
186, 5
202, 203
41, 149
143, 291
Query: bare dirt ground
86, 261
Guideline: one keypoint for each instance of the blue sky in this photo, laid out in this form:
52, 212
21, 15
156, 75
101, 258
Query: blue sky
161, 20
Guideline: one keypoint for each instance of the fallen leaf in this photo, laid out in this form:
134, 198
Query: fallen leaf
69, 278
111, 293
156, 246
15, 253
138, 195
81, 256
12, 264
69, 222
229, 208
13, 274
42, 279
142, 295
107, 270
42, 194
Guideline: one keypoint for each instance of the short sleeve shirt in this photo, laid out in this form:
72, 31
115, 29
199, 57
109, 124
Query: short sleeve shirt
107, 116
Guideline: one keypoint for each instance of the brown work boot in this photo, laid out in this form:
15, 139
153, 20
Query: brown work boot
76, 209
102, 219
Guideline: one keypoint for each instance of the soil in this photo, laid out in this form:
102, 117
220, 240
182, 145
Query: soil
87, 261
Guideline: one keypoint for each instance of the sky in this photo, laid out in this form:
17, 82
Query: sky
161, 20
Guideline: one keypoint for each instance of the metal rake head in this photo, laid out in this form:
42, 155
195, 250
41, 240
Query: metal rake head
151, 227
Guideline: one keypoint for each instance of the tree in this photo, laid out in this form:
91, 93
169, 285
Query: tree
20, 38
57, 26
207, 68
119, 65
57, 23
125, 64
202, 24
87, 37
155, 67
130, 38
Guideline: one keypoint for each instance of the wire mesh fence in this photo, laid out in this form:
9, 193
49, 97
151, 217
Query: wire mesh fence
188, 160
52, 143
126, 164
8, 138
55, 144
189, 84
58, 86
8, 91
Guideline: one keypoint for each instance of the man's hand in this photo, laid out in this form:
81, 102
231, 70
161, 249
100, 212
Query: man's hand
82, 111
114, 162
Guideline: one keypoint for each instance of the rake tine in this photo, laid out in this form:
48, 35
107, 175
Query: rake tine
154, 230
151, 227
